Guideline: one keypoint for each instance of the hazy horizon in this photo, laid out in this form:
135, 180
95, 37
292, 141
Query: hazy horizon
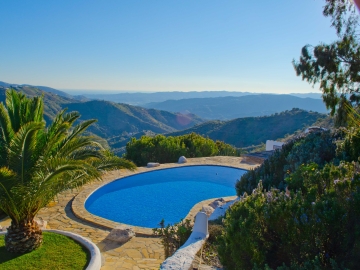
99, 91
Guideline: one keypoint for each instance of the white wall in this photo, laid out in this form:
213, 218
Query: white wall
273, 145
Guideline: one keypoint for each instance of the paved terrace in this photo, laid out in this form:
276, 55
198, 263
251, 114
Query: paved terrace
141, 252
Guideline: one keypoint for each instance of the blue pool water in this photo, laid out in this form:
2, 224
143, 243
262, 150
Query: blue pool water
145, 199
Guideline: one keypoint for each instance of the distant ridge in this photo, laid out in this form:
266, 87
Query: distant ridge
225, 108
143, 98
307, 95
140, 98
43, 88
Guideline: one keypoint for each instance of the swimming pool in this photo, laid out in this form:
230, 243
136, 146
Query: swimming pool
145, 199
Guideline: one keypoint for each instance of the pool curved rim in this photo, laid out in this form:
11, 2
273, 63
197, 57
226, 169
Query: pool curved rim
79, 210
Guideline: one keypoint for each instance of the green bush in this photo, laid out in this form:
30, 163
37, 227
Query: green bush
168, 149
313, 225
215, 231
316, 147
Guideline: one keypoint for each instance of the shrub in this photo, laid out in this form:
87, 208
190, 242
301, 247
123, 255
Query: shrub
316, 147
215, 231
173, 236
168, 149
315, 225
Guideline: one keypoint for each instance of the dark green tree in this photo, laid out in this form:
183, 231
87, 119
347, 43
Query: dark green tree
335, 66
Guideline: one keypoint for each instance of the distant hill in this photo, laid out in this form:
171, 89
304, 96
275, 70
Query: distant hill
143, 98
52, 102
225, 108
243, 132
113, 119
43, 88
307, 95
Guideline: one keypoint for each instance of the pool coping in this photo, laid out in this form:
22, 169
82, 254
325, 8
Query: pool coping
78, 204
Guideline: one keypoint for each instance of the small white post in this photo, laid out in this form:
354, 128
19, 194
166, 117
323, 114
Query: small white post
201, 223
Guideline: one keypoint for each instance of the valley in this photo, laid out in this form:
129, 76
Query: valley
119, 122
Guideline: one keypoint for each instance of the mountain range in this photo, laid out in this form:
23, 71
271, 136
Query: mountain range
225, 108
144, 98
113, 118
117, 123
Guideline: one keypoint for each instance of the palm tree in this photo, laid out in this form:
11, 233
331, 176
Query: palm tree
38, 162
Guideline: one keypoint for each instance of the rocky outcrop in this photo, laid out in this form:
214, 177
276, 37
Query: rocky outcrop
120, 234
218, 202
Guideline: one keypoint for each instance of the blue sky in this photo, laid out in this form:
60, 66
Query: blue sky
159, 45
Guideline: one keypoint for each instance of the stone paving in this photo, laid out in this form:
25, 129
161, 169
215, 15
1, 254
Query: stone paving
141, 252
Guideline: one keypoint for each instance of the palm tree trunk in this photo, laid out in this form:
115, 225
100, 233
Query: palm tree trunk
23, 237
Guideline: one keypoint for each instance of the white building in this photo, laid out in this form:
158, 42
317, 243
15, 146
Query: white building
273, 145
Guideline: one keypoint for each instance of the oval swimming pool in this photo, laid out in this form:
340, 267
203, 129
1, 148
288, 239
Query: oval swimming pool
145, 199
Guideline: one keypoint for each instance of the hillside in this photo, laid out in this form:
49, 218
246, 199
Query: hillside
113, 119
52, 102
226, 108
43, 88
243, 132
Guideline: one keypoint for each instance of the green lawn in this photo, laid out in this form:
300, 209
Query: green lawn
57, 252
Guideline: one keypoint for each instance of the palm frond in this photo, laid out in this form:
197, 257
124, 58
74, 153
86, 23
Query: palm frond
109, 163
78, 129
13, 105
71, 117
7, 202
5, 125
76, 144
22, 147
85, 154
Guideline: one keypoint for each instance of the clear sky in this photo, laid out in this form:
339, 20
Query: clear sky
143, 45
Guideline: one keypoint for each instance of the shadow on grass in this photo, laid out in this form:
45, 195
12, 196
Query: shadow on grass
6, 256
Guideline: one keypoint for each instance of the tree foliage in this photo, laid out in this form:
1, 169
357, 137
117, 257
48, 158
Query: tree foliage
335, 66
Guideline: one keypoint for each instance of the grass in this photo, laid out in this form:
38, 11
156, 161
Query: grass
56, 252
